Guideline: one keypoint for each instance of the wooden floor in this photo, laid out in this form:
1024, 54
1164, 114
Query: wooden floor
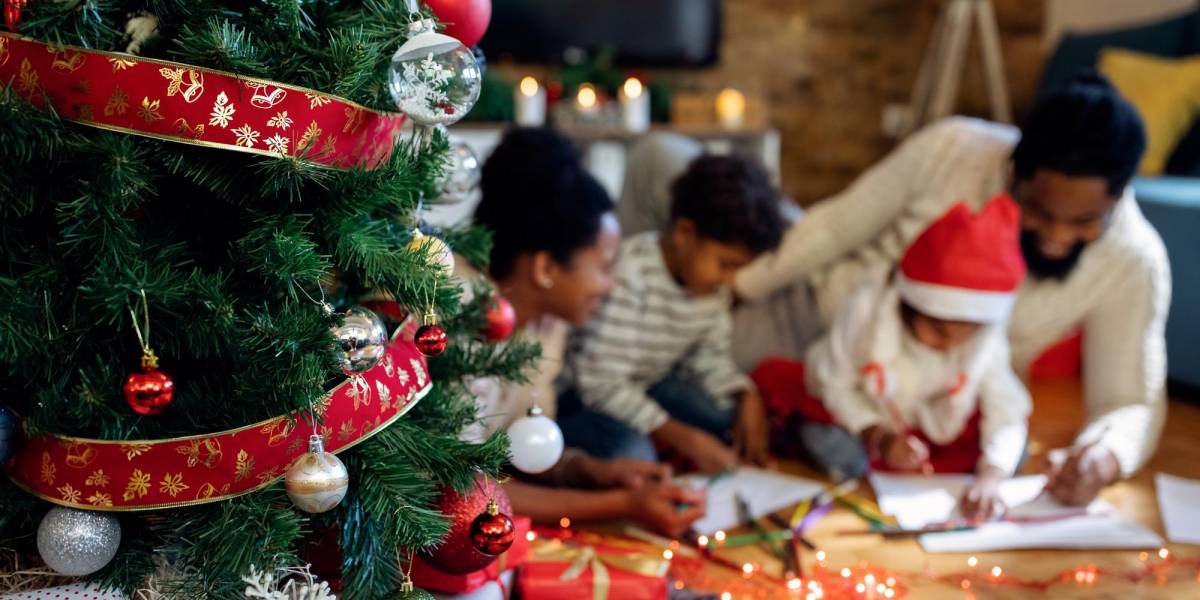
1057, 415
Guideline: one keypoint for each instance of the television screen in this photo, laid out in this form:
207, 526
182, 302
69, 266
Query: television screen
640, 33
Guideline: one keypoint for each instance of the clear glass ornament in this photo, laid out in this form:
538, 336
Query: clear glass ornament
434, 78
463, 173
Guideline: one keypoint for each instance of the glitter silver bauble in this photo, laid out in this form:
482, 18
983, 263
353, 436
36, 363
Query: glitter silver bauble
535, 442
463, 173
78, 542
318, 480
434, 78
362, 338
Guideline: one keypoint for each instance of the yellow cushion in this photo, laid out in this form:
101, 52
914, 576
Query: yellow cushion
1166, 91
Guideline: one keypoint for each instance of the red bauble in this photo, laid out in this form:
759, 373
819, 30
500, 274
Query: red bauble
458, 555
501, 320
12, 13
149, 392
430, 340
465, 20
493, 531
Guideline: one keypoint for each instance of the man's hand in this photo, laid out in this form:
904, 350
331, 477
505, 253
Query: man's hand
710, 454
668, 508
1076, 475
622, 472
981, 501
750, 431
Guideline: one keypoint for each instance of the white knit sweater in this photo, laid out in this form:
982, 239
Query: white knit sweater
1119, 292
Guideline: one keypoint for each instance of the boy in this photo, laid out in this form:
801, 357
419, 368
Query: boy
656, 361
917, 365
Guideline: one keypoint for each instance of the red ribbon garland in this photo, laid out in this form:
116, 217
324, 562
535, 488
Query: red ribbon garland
193, 105
132, 475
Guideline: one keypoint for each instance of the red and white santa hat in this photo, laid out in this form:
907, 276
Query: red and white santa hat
966, 267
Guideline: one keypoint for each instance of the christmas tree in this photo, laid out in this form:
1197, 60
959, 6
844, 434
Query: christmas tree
167, 222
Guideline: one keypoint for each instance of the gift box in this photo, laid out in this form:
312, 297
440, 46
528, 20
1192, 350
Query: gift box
75, 591
589, 568
433, 580
499, 589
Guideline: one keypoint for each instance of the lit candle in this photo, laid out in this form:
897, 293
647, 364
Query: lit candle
586, 100
635, 106
529, 103
731, 108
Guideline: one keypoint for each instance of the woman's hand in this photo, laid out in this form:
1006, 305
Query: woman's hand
904, 452
981, 501
621, 472
668, 508
709, 453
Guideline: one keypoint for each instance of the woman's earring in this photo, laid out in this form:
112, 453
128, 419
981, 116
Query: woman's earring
546, 283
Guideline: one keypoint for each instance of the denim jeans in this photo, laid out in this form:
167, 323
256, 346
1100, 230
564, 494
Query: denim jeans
605, 437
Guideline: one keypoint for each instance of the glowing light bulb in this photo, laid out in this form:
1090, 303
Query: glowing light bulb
996, 571
702, 541
586, 96
891, 581
860, 588
747, 568
564, 522
1143, 555
726, 596
794, 584
845, 571
667, 554
529, 86
821, 555
530, 535
632, 88
971, 562
880, 588
889, 593
869, 579
719, 536
1163, 553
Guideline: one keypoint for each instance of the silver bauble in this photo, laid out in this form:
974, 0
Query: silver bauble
362, 338
463, 173
318, 480
78, 542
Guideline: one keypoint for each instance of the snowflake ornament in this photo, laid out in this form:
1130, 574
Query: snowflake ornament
434, 79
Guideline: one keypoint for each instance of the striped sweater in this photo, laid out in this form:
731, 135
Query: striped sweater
648, 327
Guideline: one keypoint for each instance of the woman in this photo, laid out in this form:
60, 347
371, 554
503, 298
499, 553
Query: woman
554, 241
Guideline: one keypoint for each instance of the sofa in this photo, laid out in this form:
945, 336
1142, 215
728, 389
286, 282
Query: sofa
1171, 202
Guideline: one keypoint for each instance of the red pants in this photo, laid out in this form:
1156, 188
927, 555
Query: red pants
781, 383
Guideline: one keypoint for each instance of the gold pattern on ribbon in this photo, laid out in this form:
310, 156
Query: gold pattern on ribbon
385, 395
295, 446
27, 79
120, 64
188, 83
117, 103
278, 431
4, 53
277, 143
100, 499
172, 484
246, 135
267, 475
360, 390
66, 61
209, 490
281, 120
149, 110
98, 478
244, 467
264, 99
418, 370
346, 431
186, 130
354, 120
83, 87
206, 452
311, 133
133, 451
85, 112
49, 469
79, 455
70, 494
222, 112
138, 486
316, 100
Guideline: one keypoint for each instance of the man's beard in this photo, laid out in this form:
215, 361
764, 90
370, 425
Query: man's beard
1044, 267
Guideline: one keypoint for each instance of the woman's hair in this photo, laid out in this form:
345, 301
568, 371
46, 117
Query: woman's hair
1083, 128
538, 197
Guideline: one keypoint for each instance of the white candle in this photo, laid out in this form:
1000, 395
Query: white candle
529, 103
731, 108
635, 106
586, 99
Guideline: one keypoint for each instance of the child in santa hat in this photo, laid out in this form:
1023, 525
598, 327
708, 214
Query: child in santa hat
916, 364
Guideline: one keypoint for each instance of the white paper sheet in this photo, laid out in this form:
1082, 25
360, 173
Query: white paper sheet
764, 491
1179, 503
917, 500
